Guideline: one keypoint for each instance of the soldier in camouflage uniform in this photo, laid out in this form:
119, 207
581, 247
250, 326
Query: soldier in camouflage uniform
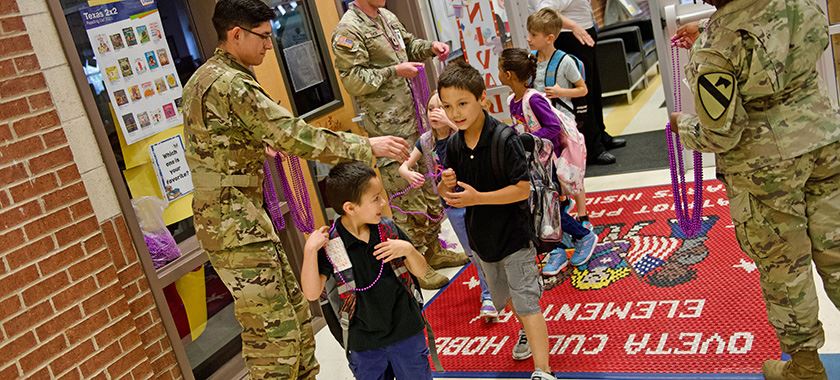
775, 133
373, 55
229, 120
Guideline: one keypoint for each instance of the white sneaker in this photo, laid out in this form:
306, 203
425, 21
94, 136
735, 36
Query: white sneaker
488, 310
522, 350
540, 375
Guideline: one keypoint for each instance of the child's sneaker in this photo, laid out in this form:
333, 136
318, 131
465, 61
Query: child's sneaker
488, 310
584, 221
521, 350
584, 248
541, 375
557, 261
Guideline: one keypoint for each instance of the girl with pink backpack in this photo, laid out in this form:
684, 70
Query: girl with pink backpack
532, 113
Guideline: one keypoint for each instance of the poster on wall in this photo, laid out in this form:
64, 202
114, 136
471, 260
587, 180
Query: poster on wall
480, 38
132, 53
170, 165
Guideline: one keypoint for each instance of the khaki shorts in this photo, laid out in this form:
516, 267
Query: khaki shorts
515, 278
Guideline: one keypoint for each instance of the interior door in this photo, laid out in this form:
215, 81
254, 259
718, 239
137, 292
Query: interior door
830, 64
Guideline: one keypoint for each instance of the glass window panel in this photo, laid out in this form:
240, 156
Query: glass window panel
302, 53
185, 55
202, 309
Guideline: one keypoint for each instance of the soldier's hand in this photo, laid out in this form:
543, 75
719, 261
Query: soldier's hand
441, 50
686, 35
390, 147
317, 240
409, 70
449, 179
673, 122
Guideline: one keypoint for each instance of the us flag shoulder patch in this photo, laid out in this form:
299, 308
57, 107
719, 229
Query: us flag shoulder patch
344, 41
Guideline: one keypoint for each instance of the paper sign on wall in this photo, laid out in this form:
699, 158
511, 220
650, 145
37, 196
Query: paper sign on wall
480, 37
136, 65
171, 168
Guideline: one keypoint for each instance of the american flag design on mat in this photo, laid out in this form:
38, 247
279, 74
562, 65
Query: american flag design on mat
649, 252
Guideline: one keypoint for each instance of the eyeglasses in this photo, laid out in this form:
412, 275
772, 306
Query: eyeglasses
264, 37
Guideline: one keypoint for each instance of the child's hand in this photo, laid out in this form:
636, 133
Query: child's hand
438, 116
449, 179
317, 240
414, 178
468, 197
554, 91
392, 249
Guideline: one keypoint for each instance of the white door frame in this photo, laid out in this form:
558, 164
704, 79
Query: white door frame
826, 66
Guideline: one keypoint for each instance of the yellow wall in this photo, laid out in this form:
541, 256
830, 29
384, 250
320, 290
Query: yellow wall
270, 77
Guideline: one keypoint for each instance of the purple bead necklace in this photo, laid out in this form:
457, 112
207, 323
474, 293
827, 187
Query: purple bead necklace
382, 239
690, 225
298, 201
420, 92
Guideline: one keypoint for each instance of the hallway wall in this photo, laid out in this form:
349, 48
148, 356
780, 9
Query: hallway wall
74, 302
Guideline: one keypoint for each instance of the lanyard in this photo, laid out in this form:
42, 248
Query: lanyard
392, 36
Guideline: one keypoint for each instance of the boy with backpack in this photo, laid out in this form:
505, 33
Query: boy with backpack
487, 161
373, 265
561, 77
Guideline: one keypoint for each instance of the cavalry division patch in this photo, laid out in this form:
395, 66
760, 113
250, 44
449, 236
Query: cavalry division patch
716, 90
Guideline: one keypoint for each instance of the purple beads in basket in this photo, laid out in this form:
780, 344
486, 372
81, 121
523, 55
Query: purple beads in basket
162, 247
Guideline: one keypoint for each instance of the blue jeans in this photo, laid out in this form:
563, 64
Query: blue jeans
407, 359
572, 227
459, 224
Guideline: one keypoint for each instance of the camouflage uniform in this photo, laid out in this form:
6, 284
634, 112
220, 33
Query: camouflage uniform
775, 133
366, 61
228, 121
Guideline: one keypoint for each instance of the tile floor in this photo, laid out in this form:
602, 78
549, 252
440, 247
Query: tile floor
644, 114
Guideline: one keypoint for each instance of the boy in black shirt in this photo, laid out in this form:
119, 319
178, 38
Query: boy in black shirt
497, 214
386, 327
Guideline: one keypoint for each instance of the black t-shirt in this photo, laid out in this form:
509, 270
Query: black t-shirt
440, 149
386, 313
495, 231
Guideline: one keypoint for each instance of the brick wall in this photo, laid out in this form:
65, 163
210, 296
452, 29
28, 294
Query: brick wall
74, 302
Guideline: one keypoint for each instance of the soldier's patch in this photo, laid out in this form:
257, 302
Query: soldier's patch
716, 90
344, 41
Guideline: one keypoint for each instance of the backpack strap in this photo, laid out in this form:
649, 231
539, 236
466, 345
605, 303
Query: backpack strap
497, 150
553, 66
402, 273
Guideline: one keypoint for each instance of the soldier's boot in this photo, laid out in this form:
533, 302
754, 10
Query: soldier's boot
803, 365
444, 258
432, 279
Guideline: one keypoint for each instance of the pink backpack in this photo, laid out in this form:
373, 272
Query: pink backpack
571, 165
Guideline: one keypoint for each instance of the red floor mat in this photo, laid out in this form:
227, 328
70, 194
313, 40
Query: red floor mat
648, 302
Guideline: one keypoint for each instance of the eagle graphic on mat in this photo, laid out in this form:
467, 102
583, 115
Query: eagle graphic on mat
662, 261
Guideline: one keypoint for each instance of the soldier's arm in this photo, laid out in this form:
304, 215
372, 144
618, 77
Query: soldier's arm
276, 127
353, 64
721, 117
418, 49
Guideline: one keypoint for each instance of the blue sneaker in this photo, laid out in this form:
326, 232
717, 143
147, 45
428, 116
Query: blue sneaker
584, 248
566, 241
557, 261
